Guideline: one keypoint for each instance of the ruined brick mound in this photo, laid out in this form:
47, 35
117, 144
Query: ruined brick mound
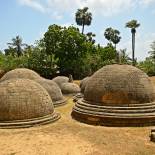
117, 95
70, 88
25, 103
60, 80
53, 90
20, 73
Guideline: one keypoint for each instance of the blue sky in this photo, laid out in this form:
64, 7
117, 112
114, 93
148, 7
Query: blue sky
30, 19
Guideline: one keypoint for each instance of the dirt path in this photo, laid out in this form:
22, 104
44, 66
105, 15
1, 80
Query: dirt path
69, 137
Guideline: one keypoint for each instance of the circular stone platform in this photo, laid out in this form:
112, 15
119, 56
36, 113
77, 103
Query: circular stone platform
53, 90
117, 95
25, 103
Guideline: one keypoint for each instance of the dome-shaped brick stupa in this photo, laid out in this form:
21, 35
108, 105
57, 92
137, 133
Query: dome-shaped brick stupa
20, 73
60, 80
51, 87
24, 103
83, 84
70, 88
53, 90
117, 95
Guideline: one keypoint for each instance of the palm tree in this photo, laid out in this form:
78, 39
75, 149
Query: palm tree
83, 17
115, 37
133, 24
17, 44
108, 34
112, 35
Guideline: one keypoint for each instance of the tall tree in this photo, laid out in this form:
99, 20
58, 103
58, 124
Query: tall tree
83, 17
133, 24
17, 44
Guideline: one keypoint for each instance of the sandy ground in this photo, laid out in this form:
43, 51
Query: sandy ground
69, 137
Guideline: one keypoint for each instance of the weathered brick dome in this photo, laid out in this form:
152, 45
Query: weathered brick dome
60, 80
83, 83
119, 84
70, 88
21, 73
24, 103
53, 90
117, 95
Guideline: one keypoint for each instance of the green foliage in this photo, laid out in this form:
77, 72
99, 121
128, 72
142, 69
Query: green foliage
147, 66
39, 61
10, 51
100, 57
90, 37
123, 57
75, 53
152, 52
10, 62
68, 46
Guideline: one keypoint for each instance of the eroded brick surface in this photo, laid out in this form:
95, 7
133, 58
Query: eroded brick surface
23, 99
118, 84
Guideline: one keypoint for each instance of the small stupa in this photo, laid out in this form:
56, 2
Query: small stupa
25, 103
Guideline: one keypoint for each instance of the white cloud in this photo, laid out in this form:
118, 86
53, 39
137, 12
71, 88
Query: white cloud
104, 7
33, 4
147, 2
109, 7
99, 7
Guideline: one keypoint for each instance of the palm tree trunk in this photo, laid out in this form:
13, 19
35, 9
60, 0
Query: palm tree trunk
83, 28
18, 51
133, 49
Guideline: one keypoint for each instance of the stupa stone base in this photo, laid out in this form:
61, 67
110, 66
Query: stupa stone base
60, 102
30, 122
120, 116
77, 97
